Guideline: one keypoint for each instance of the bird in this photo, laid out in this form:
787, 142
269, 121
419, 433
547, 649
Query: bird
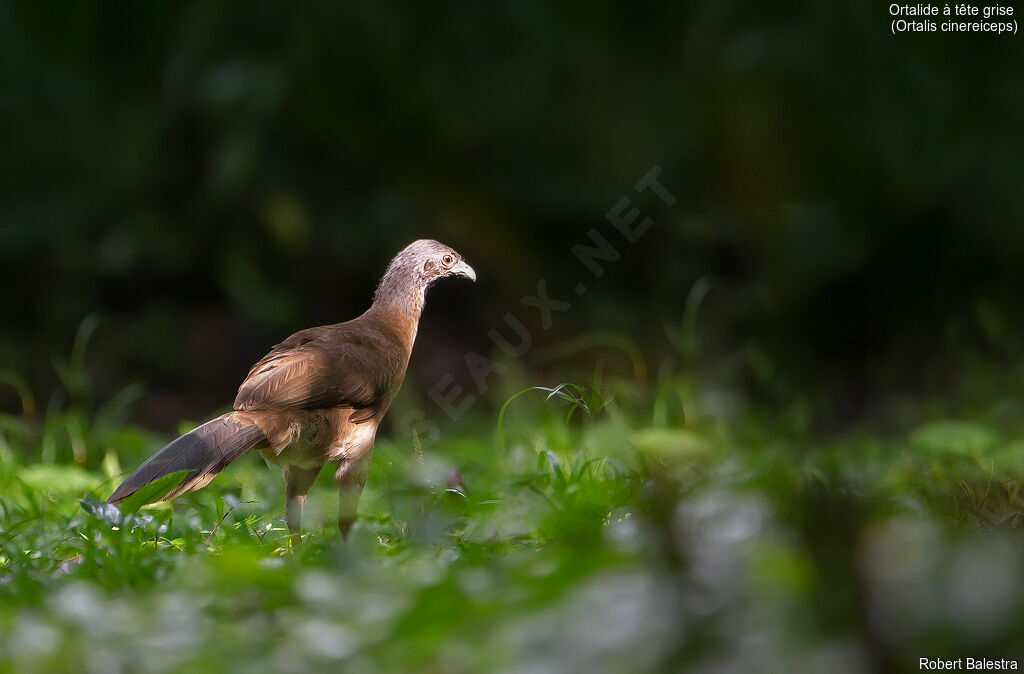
316, 398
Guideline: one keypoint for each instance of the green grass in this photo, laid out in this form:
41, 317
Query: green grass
600, 528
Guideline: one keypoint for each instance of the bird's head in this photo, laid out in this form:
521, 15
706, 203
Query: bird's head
432, 260
415, 268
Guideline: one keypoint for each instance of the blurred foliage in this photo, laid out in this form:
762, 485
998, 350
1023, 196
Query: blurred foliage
209, 177
710, 540
789, 434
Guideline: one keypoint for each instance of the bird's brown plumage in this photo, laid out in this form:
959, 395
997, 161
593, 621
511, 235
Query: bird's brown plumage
354, 364
318, 396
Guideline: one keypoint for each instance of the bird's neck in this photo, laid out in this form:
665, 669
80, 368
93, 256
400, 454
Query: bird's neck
399, 301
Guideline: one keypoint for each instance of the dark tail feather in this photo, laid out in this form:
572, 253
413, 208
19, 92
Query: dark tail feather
203, 452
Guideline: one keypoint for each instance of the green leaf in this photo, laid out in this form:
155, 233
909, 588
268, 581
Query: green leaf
677, 443
1009, 459
111, 466
107, 512
952, 437
153, 491
62, 480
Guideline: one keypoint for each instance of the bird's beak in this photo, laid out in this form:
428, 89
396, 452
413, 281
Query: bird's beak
463, 269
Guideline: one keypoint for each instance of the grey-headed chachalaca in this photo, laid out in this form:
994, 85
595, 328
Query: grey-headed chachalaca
317, 397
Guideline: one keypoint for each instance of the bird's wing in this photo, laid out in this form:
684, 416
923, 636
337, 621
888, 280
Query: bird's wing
312, 371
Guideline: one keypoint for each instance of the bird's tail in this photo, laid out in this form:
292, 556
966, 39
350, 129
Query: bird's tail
203, 452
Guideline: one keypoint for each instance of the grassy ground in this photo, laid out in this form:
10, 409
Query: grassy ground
660, 532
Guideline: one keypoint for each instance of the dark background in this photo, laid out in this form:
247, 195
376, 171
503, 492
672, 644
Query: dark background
208, 179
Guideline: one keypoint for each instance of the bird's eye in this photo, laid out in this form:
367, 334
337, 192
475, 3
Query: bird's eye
447, 260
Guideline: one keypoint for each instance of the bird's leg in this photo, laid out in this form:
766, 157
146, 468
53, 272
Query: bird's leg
351, 477
297, 483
